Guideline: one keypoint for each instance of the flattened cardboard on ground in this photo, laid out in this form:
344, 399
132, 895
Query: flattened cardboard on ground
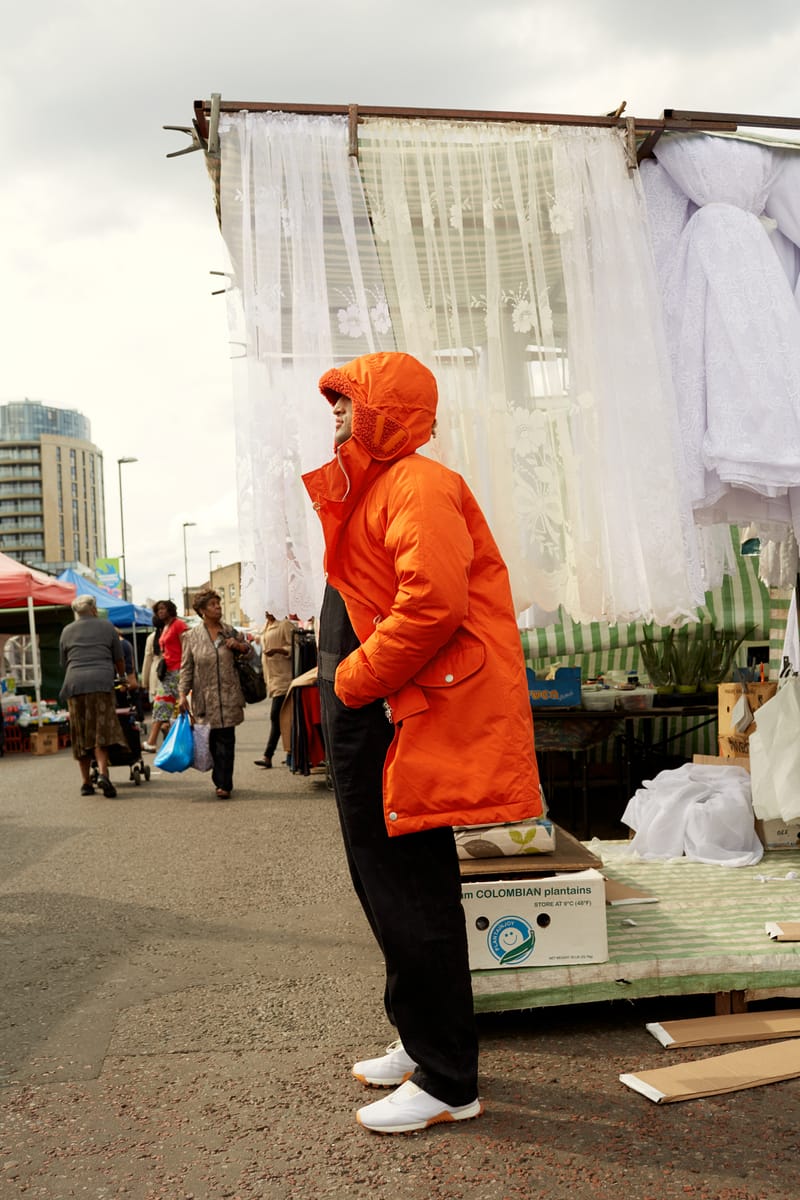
621, 893
715, 1076
731, 1027
783, 931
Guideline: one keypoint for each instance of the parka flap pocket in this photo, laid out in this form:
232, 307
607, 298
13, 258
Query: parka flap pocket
406, 702
459, 658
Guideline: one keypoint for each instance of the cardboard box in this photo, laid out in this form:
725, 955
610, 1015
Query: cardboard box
44, 741
779, 835
562, 692
716, 760
735, 745
545, 921
729, 693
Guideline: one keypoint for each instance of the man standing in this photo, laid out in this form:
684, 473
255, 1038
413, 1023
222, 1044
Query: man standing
425, 715
276, 659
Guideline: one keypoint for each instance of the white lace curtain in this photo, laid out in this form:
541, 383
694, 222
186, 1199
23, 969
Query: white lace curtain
306, 293
514, 261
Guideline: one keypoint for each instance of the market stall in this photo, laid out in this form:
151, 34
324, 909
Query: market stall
514, 253
701, 929
576, 312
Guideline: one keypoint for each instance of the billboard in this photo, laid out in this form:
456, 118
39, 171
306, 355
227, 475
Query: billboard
108, 576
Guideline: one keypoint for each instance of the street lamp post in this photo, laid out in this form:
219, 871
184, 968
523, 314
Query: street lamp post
169, 585
186, 525
120, 462
210, 567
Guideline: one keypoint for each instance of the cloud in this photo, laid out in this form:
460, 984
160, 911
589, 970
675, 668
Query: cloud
106, 244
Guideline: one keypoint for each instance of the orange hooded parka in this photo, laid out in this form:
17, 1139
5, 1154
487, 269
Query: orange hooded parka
428, 596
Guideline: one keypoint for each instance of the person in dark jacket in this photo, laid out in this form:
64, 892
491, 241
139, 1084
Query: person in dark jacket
91, 652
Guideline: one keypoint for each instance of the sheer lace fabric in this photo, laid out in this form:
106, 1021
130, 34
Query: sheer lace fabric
516, 263
503, 255
307, 292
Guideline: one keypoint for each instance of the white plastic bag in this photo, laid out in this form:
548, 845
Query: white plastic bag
699, 811
201, 758
775, 756
719, 827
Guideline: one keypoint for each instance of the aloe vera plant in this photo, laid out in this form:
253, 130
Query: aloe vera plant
721, 651
703, 655
657, 658
689, 656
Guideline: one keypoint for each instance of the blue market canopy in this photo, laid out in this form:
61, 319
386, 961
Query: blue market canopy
121, 612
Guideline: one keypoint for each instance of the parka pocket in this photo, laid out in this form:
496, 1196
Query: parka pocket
406, 702
459, 658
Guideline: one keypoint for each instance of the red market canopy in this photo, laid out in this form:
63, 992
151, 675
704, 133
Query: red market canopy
20, 584
24, 587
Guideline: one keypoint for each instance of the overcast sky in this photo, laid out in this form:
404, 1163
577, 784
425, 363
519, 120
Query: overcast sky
106, 246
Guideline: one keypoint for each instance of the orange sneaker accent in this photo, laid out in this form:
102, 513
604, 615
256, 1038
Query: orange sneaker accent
370, 1083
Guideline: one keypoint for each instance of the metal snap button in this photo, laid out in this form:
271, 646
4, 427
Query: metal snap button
392, 816
448, 678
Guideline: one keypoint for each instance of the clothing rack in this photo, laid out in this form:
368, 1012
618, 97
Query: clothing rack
304, 651
307, 749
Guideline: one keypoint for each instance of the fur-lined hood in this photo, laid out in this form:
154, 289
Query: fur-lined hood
394, 402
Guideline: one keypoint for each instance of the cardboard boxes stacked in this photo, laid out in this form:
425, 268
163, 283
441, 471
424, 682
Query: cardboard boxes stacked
734, 748
540, 910
732, 742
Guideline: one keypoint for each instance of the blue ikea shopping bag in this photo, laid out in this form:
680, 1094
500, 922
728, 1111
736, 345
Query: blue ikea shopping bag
177, 749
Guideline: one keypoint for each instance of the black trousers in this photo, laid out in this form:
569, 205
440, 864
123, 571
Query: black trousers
409, 888
222, 743
275, 706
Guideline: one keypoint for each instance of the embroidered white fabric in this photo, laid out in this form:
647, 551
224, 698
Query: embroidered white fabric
516, 262
307, 293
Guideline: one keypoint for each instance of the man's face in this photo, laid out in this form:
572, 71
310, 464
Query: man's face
343, 415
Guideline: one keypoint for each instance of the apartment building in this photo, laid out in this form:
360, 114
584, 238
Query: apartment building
52, 504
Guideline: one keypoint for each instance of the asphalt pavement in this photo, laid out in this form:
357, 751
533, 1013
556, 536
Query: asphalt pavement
186, 982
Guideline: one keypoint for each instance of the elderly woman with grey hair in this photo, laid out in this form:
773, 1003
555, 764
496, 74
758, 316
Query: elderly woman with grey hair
91, 652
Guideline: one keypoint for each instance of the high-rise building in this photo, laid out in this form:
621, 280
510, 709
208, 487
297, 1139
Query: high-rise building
52, 505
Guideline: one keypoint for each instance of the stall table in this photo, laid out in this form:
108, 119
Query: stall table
705, 935
644, 734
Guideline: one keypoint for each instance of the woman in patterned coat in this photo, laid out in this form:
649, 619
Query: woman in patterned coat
208, 672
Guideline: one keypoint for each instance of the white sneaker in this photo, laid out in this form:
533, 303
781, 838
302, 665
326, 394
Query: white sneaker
150, 749
391, 1068
409, 1109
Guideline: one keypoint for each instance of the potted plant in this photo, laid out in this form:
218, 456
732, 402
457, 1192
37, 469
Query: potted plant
689, 653
657, 659
722, 647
